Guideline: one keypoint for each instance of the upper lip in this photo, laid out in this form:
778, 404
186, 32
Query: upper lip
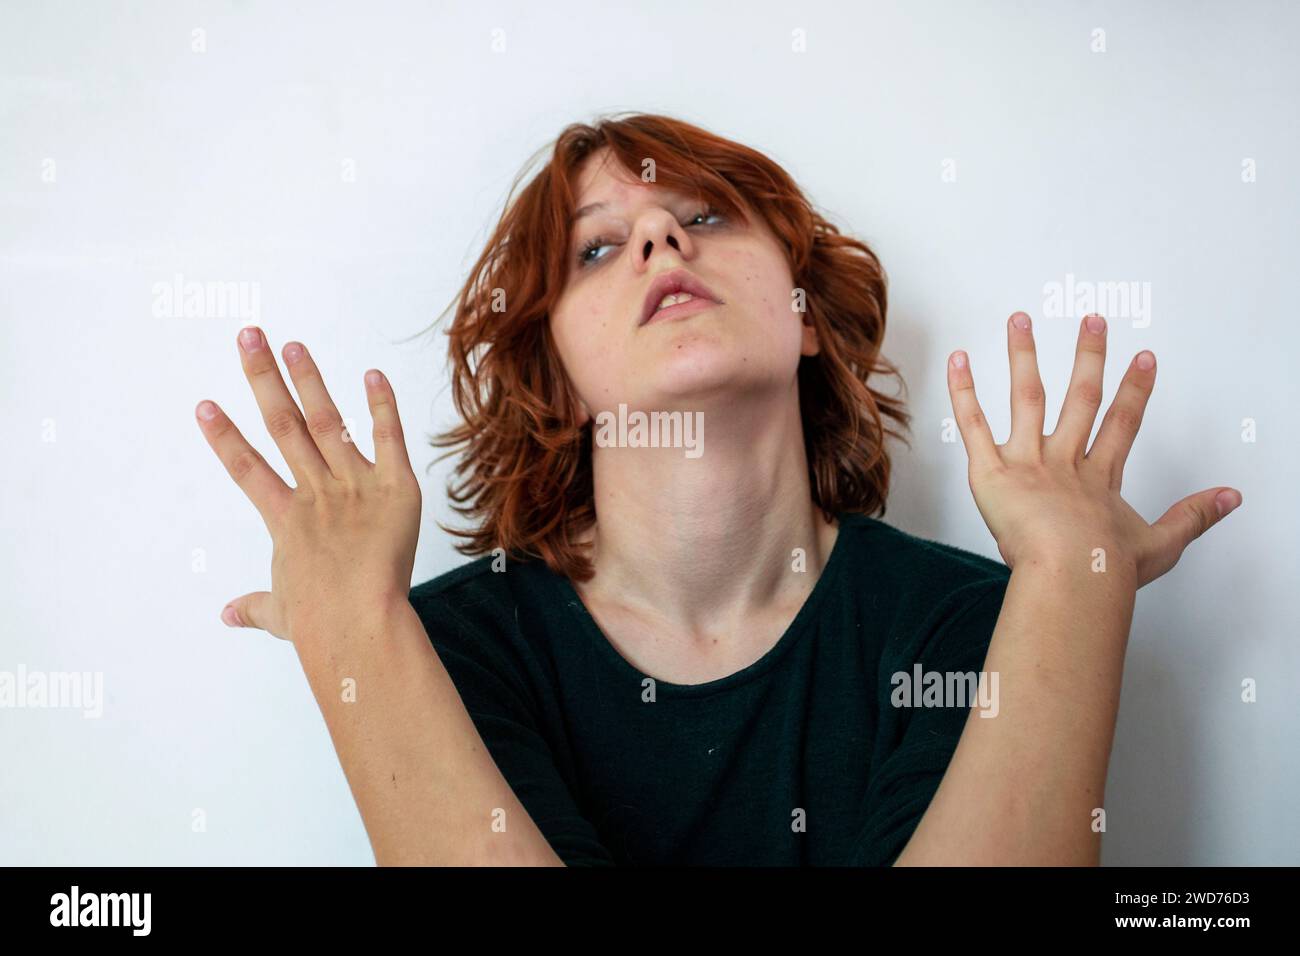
671, 283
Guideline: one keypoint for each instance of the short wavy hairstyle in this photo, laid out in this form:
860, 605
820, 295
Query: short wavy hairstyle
525, 477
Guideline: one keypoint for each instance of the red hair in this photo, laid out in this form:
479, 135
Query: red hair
525, 472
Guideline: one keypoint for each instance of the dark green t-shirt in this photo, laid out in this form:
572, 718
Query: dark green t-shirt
799, 759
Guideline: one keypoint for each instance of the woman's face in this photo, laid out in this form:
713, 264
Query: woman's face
749, 343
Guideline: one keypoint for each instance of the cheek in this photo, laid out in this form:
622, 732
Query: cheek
596, 337
586, 334
578, 324
760, 281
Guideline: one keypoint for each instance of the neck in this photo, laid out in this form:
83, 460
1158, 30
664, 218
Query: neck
707, 541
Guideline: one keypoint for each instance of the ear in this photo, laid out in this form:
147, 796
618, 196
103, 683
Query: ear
810, 344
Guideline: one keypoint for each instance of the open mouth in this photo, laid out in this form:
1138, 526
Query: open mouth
675, 295
679, 307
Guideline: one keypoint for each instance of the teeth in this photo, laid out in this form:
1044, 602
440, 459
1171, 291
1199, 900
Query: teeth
674, 299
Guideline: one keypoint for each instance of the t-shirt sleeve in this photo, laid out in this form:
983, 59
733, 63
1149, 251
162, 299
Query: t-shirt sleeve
916, 743
491, 682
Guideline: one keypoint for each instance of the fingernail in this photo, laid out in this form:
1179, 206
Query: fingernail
207, 411
230, 616
1020, 320
1146, 361
251, 339
1096, 324
958, 359
373, 378
1225, 501
292, 352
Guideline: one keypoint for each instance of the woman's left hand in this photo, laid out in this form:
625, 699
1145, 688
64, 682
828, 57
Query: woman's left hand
345, 536
1043, 497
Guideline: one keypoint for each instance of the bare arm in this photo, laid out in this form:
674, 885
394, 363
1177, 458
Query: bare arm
1022, 786
427, 788
425, 784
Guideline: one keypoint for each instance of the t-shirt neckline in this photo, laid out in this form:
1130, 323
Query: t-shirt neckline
798, 626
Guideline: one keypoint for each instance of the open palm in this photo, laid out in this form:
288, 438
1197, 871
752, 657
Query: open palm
1051, 497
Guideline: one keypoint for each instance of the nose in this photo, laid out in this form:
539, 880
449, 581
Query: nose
659, 231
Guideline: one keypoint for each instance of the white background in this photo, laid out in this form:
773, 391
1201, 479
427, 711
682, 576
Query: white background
1123, 165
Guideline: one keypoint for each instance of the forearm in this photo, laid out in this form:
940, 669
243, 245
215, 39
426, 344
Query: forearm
425, 784
1022, 787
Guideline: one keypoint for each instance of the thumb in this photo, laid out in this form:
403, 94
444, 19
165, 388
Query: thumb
1187, 520
252, 610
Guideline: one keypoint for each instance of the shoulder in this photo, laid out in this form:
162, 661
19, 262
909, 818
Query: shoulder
929, 586
471, 614
475, 602
941, 563
486, 580
467, 579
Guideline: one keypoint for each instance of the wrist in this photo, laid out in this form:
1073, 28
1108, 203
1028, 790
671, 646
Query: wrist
1093, 559
339, 624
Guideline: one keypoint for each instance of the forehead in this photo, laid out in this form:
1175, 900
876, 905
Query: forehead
603, 179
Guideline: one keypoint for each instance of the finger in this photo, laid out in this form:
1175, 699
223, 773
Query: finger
390, 443
1114, 439
258, 480
974, 427
1186, 521
1028, 400
253, 610
1083, 398
324, 423
280, 412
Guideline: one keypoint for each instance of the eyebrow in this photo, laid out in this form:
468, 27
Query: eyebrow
588, 209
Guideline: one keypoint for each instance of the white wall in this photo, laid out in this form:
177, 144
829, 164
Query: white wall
226, 165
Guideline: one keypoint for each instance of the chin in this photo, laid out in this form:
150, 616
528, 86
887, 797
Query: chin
690, 377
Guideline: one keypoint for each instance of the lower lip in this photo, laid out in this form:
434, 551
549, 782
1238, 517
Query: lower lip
680, 311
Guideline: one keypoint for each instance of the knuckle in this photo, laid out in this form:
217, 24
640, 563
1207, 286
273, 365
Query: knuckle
306, 370
1142, 385
387, 432
336, 493
324, 424
403, 484
1127, 418
224, 427
972, 419
1031, 393
281, 423
1089, 393
264, 367
1197, 517
244, 462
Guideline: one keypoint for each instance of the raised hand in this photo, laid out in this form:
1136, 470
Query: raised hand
345, 536
1052, 498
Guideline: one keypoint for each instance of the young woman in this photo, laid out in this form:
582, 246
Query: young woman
705, 651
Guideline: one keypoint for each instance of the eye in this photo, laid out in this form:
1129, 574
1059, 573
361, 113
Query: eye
591, 245
707, 212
